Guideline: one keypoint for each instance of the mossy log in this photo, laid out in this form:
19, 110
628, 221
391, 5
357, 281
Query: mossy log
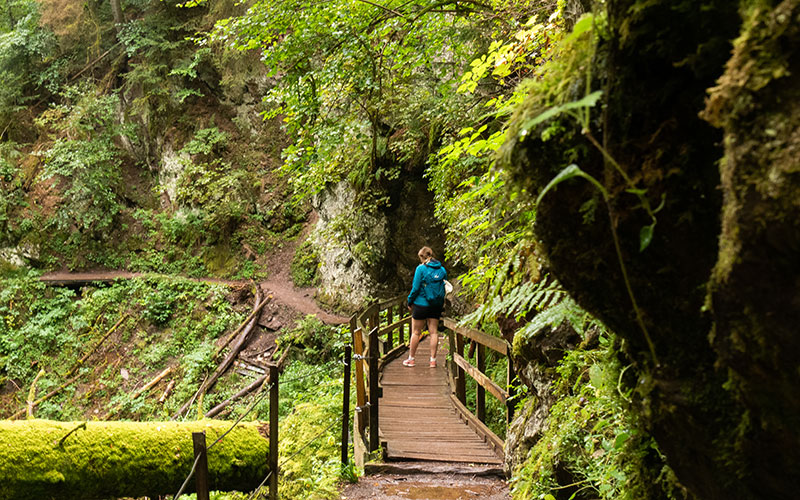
94, 460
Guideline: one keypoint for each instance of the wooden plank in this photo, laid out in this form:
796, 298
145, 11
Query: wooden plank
394, 301
481, 379
479, 426
489, 341
392, 454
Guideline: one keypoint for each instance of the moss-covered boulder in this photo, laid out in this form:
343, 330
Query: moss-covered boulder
93, 460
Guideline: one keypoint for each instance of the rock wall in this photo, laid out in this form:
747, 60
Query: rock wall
369, 252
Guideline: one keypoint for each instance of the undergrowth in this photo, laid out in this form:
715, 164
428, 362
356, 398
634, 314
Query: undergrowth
594, 446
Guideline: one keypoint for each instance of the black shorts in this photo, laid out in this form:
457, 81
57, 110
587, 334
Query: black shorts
426, 312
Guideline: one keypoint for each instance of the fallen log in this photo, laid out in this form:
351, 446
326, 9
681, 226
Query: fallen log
259, 304
94, 460
259, 383
226, 363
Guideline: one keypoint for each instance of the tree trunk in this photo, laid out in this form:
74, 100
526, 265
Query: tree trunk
93, 460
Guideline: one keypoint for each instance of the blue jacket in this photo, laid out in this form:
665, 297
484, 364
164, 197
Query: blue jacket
423, 273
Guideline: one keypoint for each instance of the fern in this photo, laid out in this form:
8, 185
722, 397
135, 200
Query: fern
520, 301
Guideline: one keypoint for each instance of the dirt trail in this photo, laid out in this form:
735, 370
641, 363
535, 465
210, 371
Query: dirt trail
280, 283
416, 486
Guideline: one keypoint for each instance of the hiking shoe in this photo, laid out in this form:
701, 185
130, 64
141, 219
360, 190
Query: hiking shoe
433, 363
408, 362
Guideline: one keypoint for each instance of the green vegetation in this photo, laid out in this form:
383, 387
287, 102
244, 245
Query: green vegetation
557, 147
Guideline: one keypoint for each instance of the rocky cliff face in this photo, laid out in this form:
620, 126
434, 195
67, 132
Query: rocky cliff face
366, 251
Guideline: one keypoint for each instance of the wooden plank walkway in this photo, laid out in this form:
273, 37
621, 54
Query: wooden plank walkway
418, 420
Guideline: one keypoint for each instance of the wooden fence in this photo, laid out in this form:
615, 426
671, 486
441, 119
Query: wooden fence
378, 337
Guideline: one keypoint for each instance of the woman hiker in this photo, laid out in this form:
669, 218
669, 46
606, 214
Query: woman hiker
425, 302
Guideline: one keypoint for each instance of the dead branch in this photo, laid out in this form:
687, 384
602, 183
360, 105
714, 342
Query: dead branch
247, 321
152, 383
259, 384
32, 393
47, 396
96, 346
169, 388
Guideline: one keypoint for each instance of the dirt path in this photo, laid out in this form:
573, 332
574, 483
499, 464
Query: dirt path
445, 482
282, 287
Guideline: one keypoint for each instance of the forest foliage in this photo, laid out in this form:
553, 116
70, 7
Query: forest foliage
124, 145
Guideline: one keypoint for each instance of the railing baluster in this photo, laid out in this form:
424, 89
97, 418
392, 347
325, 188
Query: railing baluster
389, 335
480, 394
461, 379
510, 402
348, 351
273, 432
374, 393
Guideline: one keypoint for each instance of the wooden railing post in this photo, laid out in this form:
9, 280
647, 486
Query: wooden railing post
375, 322
389, 321
201, 471
400, 314
273, 432
461, 378
374, 393
480, 394
348, 350
510, 402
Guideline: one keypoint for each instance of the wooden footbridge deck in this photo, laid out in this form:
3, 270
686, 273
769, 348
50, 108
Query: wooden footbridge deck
419, 421
420, 413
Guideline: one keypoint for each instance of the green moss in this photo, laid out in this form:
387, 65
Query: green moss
42, 459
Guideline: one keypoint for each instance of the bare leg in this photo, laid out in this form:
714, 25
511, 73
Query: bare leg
416, 332
433, 329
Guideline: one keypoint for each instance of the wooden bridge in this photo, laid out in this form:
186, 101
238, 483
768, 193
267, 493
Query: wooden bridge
420, 413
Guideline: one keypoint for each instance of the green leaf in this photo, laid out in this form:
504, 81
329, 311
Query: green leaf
620, 440
570, 172
646, 236
587, 101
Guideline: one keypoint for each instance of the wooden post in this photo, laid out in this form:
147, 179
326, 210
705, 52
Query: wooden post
273, 432
480, 394
461, 378
389, 335
510, 402
375, 321
453, 371
361, 397
400, 314
374, 394
201, 471
348, 350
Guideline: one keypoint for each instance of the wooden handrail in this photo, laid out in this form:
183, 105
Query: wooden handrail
494, 343
481, 379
